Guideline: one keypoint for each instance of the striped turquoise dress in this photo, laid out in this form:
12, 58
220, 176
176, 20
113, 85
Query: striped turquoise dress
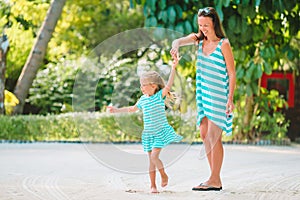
212, 88
157, 132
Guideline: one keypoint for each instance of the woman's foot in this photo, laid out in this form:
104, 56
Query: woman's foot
208, 186
154, 190
164, 180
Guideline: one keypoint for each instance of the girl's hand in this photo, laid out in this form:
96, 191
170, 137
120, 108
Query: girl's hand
175, 63
175, 51
111, 109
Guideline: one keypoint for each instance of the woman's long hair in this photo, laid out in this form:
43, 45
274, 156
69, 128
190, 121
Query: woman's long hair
211, 12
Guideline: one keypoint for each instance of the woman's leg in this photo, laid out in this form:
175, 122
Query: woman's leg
159, 165
203, 133
211, 136
214, 138
152, 174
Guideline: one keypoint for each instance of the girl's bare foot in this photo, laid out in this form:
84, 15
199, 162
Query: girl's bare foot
154, 190
164, 180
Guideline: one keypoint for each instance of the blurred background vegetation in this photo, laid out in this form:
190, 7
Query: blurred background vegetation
264, 35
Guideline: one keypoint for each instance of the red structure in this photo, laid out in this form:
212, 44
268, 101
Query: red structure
283, 82
289, 86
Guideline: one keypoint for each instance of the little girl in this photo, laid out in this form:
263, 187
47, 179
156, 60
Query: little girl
157, 132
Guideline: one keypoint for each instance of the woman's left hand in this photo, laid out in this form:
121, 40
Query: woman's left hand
229, 107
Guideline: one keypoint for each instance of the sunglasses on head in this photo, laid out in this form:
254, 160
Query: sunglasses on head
204, 11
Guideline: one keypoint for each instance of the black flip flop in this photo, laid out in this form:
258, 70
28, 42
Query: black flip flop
207, 188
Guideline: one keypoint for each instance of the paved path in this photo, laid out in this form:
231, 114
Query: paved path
45, 171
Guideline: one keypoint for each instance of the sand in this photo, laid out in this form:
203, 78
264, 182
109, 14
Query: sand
58, 171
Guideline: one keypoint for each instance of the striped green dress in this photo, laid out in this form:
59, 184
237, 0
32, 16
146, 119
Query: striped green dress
212, 88
157, 132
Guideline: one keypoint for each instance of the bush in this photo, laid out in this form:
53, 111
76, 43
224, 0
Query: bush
90, 85
51, 91
266, 121
85, 127
103, 127
269, 120
37, 128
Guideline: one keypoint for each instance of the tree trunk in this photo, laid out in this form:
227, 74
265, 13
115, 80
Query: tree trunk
36, 56
4, 46
2, 80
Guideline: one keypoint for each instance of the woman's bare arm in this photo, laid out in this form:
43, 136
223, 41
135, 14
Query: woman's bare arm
229, 60
183, 41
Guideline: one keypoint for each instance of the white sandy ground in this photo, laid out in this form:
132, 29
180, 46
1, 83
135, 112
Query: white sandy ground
52, 171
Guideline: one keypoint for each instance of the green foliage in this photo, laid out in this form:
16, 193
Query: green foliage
21, 42
127, 90
52, 89
268, 120
78, 33
168, 14
92, 85
75, 34
38, 128
85, 127
263, 34
20, 20
103, 127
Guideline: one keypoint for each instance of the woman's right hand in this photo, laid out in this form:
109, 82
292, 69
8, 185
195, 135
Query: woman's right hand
187, 40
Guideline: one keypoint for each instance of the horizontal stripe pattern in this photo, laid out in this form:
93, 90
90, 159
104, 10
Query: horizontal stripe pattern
159, 139
157, 132
212, 88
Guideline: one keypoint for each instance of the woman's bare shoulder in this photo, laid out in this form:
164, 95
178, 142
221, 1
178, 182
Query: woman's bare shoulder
226, 41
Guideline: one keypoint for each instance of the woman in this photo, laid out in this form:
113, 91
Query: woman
215, 83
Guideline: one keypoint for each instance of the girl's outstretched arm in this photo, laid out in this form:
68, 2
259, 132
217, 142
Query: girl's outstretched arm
128, 109
168, 86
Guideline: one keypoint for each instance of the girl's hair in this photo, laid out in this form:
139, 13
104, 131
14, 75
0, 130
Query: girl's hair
152, 77
211, 12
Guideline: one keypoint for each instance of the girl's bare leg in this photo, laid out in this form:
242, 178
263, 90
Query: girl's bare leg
152, 174
159, 165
